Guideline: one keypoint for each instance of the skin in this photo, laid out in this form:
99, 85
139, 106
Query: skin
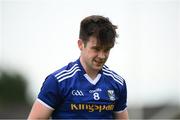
121, 115
92, 58
39, 111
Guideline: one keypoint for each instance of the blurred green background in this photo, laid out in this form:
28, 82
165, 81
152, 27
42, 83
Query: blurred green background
13, 96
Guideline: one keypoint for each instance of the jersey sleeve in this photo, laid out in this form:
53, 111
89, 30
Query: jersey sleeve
49, 95
121, 103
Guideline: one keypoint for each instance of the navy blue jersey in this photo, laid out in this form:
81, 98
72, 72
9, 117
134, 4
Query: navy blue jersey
71, 93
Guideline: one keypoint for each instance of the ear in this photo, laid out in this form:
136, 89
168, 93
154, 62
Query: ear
80, 44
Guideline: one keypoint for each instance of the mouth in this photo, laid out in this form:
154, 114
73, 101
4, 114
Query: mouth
99, 62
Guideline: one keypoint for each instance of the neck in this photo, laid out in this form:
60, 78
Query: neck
91, 73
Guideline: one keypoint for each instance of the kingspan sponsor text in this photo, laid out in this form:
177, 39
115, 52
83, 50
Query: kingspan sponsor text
92, 107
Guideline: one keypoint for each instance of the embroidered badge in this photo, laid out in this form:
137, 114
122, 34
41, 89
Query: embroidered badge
111, 95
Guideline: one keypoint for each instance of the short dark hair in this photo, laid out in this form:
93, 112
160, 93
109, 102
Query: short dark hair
99, 27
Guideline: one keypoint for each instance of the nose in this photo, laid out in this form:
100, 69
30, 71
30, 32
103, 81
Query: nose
101, 54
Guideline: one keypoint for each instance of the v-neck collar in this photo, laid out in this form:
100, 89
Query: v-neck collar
91, 80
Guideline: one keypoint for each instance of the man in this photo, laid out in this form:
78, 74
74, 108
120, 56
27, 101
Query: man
86, 88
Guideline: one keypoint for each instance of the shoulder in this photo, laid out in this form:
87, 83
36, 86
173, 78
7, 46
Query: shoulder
66, 72
113, 75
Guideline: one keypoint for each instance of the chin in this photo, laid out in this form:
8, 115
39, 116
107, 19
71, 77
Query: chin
98, 68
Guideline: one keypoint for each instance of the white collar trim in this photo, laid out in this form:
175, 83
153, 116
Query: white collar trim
91, 80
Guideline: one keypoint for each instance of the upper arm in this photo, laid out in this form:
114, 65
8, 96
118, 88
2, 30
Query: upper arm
121, 115
121, 104
47, 100
40, 111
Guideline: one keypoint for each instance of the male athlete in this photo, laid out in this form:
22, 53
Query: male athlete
85, 88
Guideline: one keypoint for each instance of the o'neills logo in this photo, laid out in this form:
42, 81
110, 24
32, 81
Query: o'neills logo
92, 107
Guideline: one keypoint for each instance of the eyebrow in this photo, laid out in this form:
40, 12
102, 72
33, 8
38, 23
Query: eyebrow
96, 47
101, 48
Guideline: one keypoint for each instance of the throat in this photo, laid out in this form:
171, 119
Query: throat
93, 75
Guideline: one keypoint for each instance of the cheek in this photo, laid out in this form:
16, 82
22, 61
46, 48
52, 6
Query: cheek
88, 54
107, 55
94, 54
91, 53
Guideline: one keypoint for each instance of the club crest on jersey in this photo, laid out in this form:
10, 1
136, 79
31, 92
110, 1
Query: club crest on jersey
111, 95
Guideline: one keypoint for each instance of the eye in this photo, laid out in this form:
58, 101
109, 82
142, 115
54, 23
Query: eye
107, 50
96, 48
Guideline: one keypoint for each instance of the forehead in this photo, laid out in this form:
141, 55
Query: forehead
93, 42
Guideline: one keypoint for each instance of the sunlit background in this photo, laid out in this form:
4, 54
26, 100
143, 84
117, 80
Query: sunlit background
38, 37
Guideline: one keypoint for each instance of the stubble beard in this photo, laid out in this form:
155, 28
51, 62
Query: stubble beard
98, 64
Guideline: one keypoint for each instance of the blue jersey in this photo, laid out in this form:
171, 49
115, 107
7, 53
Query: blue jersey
71, 93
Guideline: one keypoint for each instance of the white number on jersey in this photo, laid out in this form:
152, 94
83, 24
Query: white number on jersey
96, 96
